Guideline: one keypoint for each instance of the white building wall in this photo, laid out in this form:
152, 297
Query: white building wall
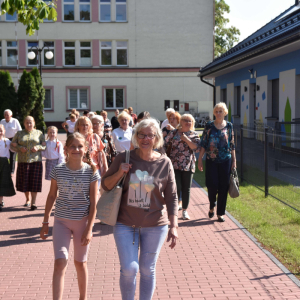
245, 111
262, 99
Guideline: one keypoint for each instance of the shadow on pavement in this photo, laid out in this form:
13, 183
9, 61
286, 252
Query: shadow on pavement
199, 222
102, 229
22, 236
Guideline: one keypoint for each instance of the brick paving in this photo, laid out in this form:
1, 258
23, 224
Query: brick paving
211, 261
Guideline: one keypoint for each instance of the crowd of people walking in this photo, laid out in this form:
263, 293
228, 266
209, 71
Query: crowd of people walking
160, 173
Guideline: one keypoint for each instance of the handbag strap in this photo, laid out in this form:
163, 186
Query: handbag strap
122, 179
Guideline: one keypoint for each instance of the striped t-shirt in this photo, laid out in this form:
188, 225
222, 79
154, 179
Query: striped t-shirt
73, 201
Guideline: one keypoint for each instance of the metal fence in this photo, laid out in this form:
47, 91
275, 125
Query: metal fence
270, 160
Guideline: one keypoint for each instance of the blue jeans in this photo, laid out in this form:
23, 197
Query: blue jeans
150, 240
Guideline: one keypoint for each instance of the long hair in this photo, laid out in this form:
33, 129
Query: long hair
79, 136
83, 118
52, 128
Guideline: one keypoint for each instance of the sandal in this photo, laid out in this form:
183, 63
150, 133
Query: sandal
211, 214
221, 219
27, 204
33, 207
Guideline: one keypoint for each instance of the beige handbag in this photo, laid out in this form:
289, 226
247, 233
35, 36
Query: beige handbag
109, 202
234, 186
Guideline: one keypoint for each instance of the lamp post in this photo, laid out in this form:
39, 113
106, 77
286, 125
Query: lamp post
31, 55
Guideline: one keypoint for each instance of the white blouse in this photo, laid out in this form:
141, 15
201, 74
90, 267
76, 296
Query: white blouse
122, 138
4, 151
52, 153
71, 126
11, 127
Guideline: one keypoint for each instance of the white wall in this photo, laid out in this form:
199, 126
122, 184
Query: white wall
262, 99
245, 111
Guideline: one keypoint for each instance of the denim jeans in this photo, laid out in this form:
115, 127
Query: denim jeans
150, 241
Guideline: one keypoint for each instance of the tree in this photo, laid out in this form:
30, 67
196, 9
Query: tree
38, 111
224, 37
30, 12
8, 95
27, 95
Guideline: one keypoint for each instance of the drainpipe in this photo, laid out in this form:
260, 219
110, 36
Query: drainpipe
214, 98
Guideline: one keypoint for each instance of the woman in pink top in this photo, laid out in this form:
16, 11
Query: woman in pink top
85, 127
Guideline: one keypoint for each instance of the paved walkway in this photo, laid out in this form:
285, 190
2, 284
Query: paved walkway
211, 261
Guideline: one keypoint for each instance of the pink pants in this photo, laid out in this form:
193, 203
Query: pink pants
63, 229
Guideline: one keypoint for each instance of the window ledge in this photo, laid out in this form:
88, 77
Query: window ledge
271, 118
113, 109
48, 110
113, 22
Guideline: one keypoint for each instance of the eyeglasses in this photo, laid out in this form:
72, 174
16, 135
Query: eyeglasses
143, 136
187, 121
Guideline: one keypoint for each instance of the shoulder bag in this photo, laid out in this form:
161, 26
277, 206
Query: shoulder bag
169, 148
234, 186
109, 202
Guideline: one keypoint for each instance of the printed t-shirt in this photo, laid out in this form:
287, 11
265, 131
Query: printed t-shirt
73, 201
149, 194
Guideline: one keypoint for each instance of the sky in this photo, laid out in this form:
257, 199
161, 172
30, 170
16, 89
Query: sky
250, 15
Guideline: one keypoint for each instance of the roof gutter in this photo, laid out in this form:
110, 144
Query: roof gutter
214, 96
263, 49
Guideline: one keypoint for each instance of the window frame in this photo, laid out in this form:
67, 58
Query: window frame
68, 88
114, 87
121, 48
36, 54
63, 11
52, 49
111, 53
104, 4
84, 3
51, 88
12, 48
121, 3
64, 53
86, 48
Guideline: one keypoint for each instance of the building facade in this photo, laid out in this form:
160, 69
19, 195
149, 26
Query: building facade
112, 54
259, 79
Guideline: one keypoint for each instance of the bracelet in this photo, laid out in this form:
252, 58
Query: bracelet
45, 222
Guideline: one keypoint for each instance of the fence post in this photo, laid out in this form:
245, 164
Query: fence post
266, 164
241, 137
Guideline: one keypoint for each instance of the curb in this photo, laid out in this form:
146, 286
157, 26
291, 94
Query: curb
258, 244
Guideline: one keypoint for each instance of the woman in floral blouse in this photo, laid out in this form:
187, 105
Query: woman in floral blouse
218, 143
29, 143
183, 143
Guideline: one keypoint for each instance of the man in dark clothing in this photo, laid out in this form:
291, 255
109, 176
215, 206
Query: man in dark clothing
114, 120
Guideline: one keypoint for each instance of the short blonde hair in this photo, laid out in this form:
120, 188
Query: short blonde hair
29, 117
223, 106
86, 119
97, 117
185, 116
124, 115
146, 123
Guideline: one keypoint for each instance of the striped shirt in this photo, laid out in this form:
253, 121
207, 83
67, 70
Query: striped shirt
73, 201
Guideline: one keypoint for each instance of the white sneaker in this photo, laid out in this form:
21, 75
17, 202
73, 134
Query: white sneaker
185, 215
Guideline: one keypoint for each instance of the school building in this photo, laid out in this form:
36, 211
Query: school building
112, 54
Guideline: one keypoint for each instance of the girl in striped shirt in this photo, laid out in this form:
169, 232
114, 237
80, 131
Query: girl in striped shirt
75, 212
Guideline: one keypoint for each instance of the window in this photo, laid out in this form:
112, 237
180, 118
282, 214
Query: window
85, 10
121, 53
12, 53
85, 54
49, 46
48, 99
121, 11
32, 62
78, 98
69, 10
114, 98
0, 53
12, 18
69, 53
105, 53
105, 11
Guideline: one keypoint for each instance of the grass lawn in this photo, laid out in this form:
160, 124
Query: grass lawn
275, 225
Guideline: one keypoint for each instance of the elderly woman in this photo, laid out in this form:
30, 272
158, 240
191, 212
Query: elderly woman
122, 135
218, 143
166, 121
29, 143
174, 120
149, 202
107, 123
12, 126
84, 126
182, 143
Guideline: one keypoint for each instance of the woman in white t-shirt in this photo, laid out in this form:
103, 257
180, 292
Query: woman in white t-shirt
70, 123
122, 135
